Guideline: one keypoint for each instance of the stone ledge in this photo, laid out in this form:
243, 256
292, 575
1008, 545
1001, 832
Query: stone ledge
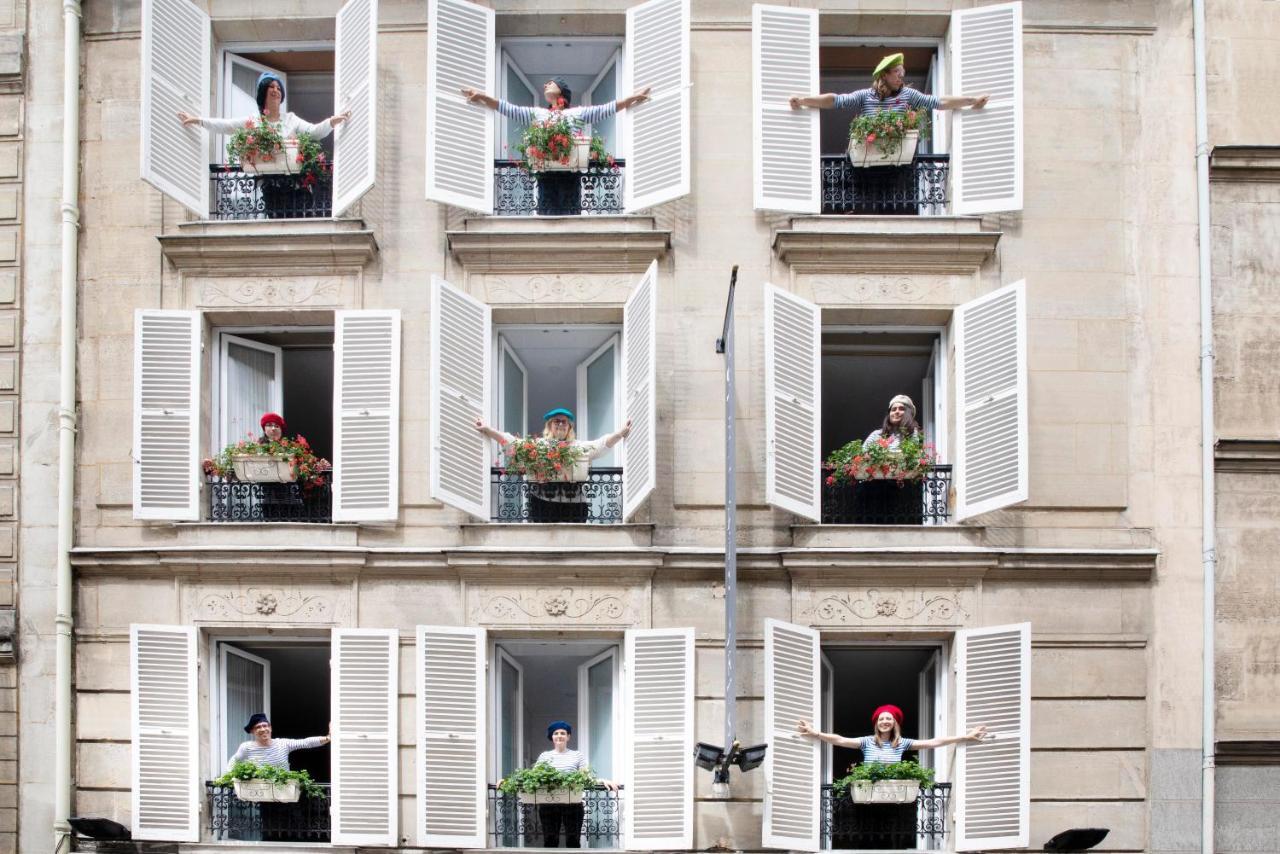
952, 562
1245, 163
564, 536
885, 244
604, 244
236, 246
1258, 456
1247, 752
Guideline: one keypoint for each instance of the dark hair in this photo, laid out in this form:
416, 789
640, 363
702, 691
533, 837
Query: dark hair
263, 84
565, 91
908, 427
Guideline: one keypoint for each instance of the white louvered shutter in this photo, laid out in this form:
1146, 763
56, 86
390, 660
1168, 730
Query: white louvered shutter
639, 388
793, 765
784, 53
450, 665
991, 386
166, 786
460, 54
993, 778
793, 402
355, 88
364, 666
657, 56
176, 39
366, 416
166, 414
460, 393
659, 729
986, 157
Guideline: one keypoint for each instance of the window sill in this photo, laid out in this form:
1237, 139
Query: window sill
556, 535
533, 243
860, 244
302, 245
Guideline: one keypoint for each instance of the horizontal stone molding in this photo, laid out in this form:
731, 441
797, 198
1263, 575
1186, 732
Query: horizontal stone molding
974, 562
576, 605
242, 247
1245, 163
1260, 456
870, 244
597, 244
884, 605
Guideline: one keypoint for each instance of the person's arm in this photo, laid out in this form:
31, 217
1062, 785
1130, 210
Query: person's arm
978, 733
614, 438
515, 112
637, 97
215, 125
236, 757
807, 731
488, 432
476, 97
823, 102
319, 130
959, 102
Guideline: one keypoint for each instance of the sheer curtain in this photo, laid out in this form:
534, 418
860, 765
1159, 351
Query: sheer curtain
250, 389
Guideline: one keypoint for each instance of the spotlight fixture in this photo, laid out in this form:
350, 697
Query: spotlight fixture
707, 756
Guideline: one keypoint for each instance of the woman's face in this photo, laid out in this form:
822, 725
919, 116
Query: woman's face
896, 76
273, 432
884, 724
274, 96
560, 739
551, 91
262, 733
896, 413
559, 427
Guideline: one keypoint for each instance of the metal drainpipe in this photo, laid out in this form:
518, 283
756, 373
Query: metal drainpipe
67, 416
1208, 520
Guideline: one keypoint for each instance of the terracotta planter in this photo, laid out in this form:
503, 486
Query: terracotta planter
260, 468
579, 158
869, 154
551, 796
258, 790
283, 162
885, 791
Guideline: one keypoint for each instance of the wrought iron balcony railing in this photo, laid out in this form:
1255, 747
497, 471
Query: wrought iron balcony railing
233, 819
926, 501
238, 195
597, 500
233, 501
516, 825
918, 189
922, 825
596, 191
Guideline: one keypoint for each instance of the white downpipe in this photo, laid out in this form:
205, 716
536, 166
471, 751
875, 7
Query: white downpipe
1208, 520
67, 415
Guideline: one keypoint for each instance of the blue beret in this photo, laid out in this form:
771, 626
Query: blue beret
559, 411
555, 725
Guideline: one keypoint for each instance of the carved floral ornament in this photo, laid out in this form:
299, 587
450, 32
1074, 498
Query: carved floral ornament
268, 603
857, 290
556, 288
271, 291
508, 606
903, 606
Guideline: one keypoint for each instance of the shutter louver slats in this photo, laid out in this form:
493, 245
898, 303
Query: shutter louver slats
367, 416
460, 381
166, 415
991, 381
451, 729
355, 89
363, 702
793, 402
659, 788
793, 764
639, 385
460, 54
993, 690
988, 142
163, 698
658, 57
785, 59
176, 38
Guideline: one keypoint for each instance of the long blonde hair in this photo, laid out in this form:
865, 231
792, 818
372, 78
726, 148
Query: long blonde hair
897, 734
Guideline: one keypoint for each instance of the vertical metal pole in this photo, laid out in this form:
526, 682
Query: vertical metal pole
725, 346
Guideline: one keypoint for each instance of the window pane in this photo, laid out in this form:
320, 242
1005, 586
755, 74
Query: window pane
602, 414
600, 704
250, 375
508, 723
607, 90
513, 415
517, 93
245, 696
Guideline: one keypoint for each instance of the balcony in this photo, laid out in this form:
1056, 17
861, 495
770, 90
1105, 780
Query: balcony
926, 501
237, 195
516, 825
233, 501
916, 190
596, 501
231, 819
922, 825
515, 192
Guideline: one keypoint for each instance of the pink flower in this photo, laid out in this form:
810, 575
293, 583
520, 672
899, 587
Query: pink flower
249, 124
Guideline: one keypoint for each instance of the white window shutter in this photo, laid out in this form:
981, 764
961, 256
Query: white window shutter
166, 415
793, 402
355, 88
993, 778
793, 765
366, 416
176, 39
659, 728
363, 705
639, 387
460, 393
991, 387
986, 154
166, 786
460, 53
784, 54
450, 666
658, 57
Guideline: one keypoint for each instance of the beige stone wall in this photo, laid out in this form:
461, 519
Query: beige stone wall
1241, 56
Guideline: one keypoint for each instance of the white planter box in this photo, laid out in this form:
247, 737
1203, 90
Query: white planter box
260, 468
868, 154
259, 791
283, 162
579, 158
551, 796
885, 791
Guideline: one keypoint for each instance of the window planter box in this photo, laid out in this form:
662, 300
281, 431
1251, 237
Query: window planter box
283, 163
553, 796
868, 154
259, 468
579, 158
885, 791
265, 791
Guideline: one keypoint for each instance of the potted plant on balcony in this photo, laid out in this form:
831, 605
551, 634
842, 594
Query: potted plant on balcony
282, 460
267, 783
880, 783
560, 144
543, 784
909, 458
887, 138
260, 149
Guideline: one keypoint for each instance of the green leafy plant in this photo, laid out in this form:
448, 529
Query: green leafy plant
545, 143
887, 129
911, 458
244, 769
309, 468
874, 772
259, 141
541, 459
311, 161
543, 777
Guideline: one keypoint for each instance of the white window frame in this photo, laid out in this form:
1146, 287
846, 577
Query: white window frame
222, 77
584, 712
500, 384
225, 649
580, 383
494, 662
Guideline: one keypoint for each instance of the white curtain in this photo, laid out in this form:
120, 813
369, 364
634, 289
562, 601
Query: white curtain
250, 377
245, 695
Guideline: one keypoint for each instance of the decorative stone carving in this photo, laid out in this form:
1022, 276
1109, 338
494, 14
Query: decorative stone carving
556, 288
269, 291
858, 290
322, 604
552, 605
898, 606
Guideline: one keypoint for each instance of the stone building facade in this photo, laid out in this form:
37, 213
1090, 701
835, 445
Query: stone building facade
1033, 289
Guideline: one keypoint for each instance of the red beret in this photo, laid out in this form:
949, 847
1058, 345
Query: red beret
893, 710
271, 418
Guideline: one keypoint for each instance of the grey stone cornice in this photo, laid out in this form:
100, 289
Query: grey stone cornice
236, 246
599, 244
1247, 163
890, 244
1261, 456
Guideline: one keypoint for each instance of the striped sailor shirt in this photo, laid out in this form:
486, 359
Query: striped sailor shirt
569, 760
277, 752
577, 115
873, 751
865, 102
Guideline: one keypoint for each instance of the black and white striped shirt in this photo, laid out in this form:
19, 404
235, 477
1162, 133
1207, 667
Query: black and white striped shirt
277, 752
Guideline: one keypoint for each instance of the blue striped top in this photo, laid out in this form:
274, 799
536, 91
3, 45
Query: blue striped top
277, 752
867, 103
873, 751
569, 760
578, 115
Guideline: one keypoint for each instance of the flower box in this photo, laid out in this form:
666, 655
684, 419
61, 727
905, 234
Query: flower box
579, 158
885, 791
261, 468
862, 153
283, 162
551, 796
258, 790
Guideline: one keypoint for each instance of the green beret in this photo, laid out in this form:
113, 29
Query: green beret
893, 60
